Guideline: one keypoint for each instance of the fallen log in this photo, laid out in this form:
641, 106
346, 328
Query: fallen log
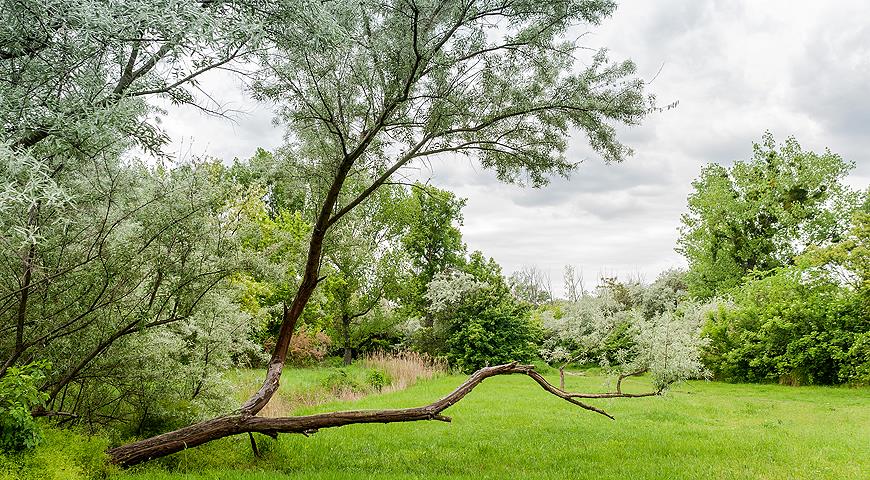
239, 423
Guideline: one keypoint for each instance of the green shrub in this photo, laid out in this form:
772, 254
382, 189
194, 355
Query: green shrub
333, 361
477, 321
64, 455
789, 329
378, 379
857, 364
491, 330
19, 394
339, 380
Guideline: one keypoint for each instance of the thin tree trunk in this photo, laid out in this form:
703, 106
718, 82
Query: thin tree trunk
345, 334
27, 275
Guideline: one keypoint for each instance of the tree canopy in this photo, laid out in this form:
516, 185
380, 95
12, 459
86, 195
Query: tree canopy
759, 214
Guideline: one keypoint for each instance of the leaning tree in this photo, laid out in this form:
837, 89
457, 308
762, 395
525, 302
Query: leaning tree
367, 88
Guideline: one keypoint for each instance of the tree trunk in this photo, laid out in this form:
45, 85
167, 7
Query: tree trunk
345, 334
27, 274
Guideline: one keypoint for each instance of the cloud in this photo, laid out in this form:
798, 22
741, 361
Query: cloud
247, 125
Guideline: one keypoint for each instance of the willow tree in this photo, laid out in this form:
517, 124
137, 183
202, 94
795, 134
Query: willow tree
75, 76
367, 88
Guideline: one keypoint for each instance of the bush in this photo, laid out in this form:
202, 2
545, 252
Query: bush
790, 329
378, 379
476, 319
19, 394
491, 333
340, 381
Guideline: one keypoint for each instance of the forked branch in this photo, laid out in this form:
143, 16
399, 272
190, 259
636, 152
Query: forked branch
619, 393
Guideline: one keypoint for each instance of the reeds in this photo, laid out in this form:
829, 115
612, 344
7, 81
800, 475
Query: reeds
404, 368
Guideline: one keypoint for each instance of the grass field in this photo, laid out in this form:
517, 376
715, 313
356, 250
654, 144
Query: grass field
509, 428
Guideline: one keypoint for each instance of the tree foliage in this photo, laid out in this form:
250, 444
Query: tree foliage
365, 263
805, 324
477, 321
630, 328
761, 213
432, 242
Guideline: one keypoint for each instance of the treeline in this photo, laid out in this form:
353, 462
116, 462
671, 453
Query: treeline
143, 284
778, 284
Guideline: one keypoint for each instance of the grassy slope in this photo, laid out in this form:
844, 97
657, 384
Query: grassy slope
510, 428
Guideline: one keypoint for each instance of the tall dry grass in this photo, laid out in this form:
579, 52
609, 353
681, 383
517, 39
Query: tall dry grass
404, 368
283, 404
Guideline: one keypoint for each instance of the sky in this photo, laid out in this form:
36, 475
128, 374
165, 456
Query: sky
737, 69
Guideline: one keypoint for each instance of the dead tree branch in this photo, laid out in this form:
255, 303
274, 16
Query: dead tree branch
161, 445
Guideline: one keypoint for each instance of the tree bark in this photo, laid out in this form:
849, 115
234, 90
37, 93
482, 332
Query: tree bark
194, 435
345, 333
27, 274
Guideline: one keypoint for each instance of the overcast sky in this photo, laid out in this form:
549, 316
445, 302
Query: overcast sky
737, 68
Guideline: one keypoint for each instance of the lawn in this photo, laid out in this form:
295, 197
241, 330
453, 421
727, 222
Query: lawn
509, 428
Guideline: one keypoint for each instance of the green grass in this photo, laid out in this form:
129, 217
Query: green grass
510, 428
293, 380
